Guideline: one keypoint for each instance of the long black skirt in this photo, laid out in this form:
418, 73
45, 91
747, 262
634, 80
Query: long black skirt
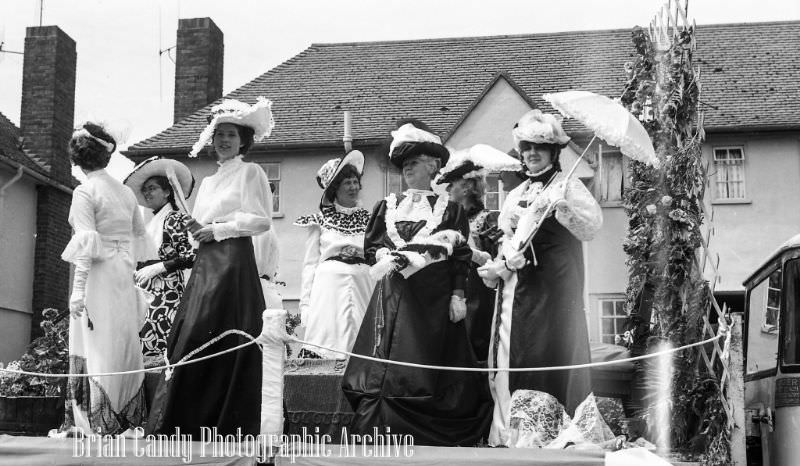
408, 320
223, 293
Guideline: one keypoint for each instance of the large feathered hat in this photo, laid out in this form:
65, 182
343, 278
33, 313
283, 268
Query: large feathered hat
257, 116
409, 140
476, 162
539, 128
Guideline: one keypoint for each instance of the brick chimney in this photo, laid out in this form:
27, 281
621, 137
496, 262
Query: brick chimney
198, 65
46, 120
48, 97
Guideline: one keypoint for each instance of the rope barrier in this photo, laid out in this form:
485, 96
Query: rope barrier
186, 359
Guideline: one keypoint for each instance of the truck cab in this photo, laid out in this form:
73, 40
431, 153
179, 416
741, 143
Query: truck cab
772, 359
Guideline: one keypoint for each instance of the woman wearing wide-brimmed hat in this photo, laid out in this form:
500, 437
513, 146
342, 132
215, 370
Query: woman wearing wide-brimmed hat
162, 278
224, 292
465, 178
540, 318
417, 243
336, 285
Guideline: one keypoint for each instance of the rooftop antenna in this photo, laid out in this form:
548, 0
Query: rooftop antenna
160, 53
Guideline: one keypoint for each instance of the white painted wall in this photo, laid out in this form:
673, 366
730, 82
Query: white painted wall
17, 242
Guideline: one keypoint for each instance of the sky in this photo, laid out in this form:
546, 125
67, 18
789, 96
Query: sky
122, 80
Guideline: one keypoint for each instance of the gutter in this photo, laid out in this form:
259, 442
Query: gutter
183, 152
3, 188
35, 175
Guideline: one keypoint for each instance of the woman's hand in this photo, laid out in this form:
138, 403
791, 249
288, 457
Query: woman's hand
480, 257
77, 304
516, 260
145, 274
205, 234
458, 308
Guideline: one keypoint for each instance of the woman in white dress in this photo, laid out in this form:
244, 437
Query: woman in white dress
336, 282
107, 310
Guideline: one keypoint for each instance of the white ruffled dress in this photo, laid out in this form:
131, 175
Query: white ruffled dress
110, 233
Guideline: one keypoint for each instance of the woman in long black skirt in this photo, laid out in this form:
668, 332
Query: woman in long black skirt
224, 291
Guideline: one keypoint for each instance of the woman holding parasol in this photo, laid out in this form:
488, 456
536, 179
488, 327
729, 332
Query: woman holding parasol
539, 318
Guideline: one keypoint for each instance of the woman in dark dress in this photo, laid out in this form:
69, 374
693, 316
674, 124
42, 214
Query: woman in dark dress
163, 278
540, 318
224, 291
464, 176
417, 243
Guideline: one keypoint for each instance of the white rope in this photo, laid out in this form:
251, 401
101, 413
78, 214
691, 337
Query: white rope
519, 369
186, 361
182, 362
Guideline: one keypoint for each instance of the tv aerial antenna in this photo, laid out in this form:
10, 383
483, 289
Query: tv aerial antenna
161, 52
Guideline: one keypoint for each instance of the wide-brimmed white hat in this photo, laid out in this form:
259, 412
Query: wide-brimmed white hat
409, 141
476, 162
157, 166
257, 116
327, 173
539, 128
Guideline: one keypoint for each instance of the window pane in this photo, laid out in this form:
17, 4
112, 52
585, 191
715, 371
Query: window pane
608, 339
611, 189
492, 201
735, 154
608, 327
273, 170
720, 154
491, 183
619, 308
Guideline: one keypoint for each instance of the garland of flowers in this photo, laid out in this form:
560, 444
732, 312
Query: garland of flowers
431, 221
664, 207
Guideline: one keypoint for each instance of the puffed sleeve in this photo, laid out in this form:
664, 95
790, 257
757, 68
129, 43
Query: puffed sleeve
581, 215
255, 215
462, 253
86, 242
375, 237
176, 232
310, 262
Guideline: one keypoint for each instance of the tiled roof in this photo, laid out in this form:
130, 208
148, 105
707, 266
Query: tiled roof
10, 147
750, 79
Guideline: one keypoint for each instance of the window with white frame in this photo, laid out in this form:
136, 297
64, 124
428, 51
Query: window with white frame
494, 193
773, 303
729, 172
612, 318
273, 171
612, 176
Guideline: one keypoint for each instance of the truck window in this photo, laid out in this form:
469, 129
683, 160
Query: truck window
791, 324
762, 324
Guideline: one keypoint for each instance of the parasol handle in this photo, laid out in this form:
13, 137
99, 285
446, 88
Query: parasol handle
177, 191
552, 205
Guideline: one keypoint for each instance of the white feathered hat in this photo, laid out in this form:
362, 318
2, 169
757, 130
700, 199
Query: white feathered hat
476, 162
539, 128
257, 116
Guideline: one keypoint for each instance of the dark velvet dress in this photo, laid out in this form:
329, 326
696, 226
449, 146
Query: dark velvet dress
480, 298
408, 320
223, 293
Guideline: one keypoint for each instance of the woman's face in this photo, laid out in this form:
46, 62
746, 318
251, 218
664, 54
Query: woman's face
227, 141
347, 193
419, 171
536, 157
154, 195
459, 190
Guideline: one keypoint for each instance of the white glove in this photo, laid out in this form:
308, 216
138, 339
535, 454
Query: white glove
380, 253
77, 304
145, 274
458, 308
480, 257
557, 195
516, 260
77, 299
